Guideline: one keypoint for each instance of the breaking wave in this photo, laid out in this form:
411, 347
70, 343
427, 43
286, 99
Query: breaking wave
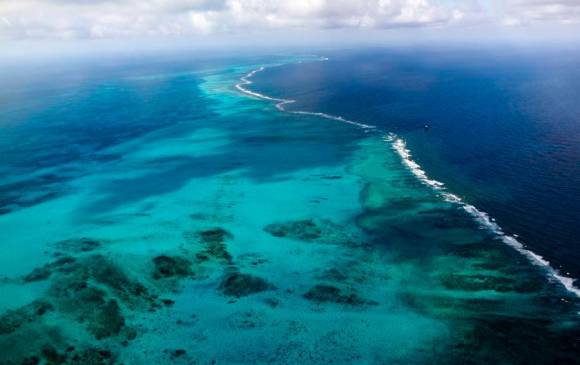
399, 146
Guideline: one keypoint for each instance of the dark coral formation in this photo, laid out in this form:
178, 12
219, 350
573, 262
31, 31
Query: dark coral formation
102, 270
90, 305
38, 274
51, 356
488, 282
335, 275
441, 306
311, 230
107, 321
239, 285
92, 356
483, 249
91, 290
216, 251
330, 294
499, 339
304, 230
171, 267
215, 235
213, 243
44, 272
14, 319
78, 245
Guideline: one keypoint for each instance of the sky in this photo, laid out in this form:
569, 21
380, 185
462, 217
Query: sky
207, 20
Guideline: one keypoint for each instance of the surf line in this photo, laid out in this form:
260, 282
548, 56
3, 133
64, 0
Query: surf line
399, 146
282, 103
484, 220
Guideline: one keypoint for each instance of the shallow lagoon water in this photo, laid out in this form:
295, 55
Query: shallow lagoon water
255, 236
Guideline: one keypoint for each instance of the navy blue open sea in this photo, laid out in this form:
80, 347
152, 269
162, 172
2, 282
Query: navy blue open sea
365, 206
503, 126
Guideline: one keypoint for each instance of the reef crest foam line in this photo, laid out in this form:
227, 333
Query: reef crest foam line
399, 146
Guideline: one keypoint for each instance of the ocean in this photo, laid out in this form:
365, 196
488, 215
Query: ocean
363, 206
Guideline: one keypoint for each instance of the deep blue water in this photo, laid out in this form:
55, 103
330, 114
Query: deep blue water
60, 115
504, 126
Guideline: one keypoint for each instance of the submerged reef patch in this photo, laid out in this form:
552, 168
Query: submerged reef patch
240, 285
215, 235
90, 290
89, 304
304, 230
213, 244
107, 321
77, 245
44, 272
49, 355
311, 230
92, 356
171, 267
478, 282
515, 340
14, 319
322, 293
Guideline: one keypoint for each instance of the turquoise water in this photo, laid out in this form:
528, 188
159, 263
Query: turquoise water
235, 233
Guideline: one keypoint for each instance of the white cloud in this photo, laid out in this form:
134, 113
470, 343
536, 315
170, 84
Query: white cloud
22, 19
527, 12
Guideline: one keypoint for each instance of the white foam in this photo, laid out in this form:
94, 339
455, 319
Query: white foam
399, 145
281, 103
482, 218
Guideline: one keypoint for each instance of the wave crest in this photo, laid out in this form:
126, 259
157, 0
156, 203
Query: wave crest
399, 146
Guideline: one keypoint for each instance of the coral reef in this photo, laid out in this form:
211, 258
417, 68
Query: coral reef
14, 319
171, 267
77, 245
322, 293
44, 272
311, 230
239, 285
213, 244
303, 230
488, 282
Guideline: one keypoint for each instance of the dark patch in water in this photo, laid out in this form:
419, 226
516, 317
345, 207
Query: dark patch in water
14, 319
51, 355
93, 356
78, 245
515, 340
334, 275
331, 294
488, 282
105, 272
214, 244
108, 320
90, 290
44, 272
215, 235
171, 267
304, 230
483, 249
88, 304
442, 306
240, 285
